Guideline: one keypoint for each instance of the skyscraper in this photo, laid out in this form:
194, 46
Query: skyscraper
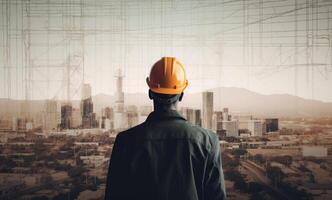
243, 120
217, 119
272, 124
197, 120
225, 114
120, 117
231, 128
256, 127
87, 107
50, 115
66, 116
225, 125
76, 118
207, 110
86, 91
107, 113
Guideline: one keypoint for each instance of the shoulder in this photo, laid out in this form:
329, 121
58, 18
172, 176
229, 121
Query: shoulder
205, 136
123, 135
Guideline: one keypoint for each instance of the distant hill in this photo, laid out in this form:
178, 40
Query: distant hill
243, 100
238, 100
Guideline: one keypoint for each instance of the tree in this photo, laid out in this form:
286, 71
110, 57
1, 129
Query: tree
46, 179
262, 195
294, 191
234, 163
75, 191
259, 158
40, 198
76, 171
254, 187
232, 139
237, 178
40, 150
6, 164
241, 185
285, 160
239, 152
275, 174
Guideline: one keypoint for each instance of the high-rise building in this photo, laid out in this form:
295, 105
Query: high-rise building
243, 120
50, 115
225, 114
86, 112
66, 116
120, 117
107, 113
108, 124
197, 117
87, 107
225, 125
76, 118
217, 119
207, 110
21, 123
256, 127
192, 115
187, 113
231, 128
106, 120
94, 122
119, 95
86, 91
272, 124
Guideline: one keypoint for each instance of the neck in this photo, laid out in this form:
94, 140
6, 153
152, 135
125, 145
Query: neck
164, 107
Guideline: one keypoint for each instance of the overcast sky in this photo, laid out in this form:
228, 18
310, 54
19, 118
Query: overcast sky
265, 46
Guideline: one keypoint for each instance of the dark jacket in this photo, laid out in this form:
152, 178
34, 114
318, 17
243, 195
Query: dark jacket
165, 158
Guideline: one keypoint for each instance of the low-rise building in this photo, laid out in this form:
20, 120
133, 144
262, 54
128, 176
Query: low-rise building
94, 161
315, 151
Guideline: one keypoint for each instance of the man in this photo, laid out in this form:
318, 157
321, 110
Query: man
166, 157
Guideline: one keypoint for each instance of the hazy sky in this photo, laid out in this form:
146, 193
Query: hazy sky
267, 46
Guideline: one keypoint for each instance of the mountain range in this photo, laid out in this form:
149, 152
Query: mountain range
238, 100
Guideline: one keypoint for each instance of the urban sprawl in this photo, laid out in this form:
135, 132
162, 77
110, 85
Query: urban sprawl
63, 152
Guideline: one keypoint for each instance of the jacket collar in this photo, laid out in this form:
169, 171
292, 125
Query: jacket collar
162, 115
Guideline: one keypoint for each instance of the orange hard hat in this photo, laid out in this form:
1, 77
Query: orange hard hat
167, 76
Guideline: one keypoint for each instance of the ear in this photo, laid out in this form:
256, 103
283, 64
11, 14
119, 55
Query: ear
181, 96
150, 95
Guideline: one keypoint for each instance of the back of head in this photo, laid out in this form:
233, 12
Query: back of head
165, 99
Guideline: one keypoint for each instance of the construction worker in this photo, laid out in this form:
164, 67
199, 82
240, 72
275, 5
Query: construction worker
166, 157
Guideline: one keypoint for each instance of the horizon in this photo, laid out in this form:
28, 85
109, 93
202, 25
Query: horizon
257, 93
